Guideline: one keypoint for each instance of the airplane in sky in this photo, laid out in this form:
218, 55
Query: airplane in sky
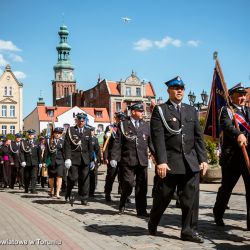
126, 19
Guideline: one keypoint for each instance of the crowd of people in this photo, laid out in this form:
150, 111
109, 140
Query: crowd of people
174, 140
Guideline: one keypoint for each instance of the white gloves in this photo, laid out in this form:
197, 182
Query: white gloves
92, 165
68, 163
23, 164
40, 165
113, 163
108, 134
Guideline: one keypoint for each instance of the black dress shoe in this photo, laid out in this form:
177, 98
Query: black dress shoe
108, 198
195, 237
151, 228
219, 222
84, 202
143, 214
121, 210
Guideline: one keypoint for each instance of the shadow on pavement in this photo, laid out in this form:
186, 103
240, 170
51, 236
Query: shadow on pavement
49, 201
124, 230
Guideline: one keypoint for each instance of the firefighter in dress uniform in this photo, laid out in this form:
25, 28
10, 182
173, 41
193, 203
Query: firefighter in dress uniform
97, 159
79, 157
112, 172
55, 161
180, 155
17, 169
232, 160
131, 150
30, 155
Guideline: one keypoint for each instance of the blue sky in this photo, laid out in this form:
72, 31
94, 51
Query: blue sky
164, 39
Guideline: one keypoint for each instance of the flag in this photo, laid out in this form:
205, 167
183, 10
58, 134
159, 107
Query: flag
218, 99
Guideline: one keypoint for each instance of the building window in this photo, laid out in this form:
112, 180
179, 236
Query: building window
128, 91
4, 129
138, 91
10, 91
5, 90
91, 95
12, 111
50, 113
118, 107
98, 114
4, 110
66, 91
12, 129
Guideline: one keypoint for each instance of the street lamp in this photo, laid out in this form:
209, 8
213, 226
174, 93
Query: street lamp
204, 97
191, 98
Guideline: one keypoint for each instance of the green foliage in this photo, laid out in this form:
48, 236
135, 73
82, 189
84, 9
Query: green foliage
10, 137
202, 122
211, 148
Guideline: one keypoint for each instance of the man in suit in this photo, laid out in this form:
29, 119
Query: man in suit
17, 169
131, 149
78, 151
232, 160
110, 134
180, 155
30, 156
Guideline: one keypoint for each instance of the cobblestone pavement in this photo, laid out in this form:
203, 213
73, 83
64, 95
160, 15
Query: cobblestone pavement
37, 222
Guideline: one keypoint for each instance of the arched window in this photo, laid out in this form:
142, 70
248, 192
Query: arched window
10, 91
5, 90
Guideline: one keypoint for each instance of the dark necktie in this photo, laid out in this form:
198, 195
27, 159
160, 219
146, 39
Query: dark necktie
137, 124
178, 109
80, 131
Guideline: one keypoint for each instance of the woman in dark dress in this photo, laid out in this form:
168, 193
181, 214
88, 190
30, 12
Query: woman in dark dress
55, 161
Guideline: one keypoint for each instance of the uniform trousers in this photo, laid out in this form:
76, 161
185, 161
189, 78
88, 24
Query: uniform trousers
188, 189
110, 178
231, 173
93, 179
134, 176
30, 175
80, 173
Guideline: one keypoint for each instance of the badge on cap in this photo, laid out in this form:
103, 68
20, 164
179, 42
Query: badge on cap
174, 119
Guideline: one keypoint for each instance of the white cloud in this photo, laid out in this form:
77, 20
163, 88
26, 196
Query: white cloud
19, 74
167, 41
8, 46
143, 44
3, 62
194, 43
16, 58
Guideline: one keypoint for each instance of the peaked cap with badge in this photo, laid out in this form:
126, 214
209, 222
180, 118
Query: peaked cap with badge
175, 82
238, 88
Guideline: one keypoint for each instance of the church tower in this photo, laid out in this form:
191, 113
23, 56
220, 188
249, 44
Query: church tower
64, 83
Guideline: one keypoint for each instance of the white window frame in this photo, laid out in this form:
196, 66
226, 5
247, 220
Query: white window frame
4, 129
12, 111
12, 129
4, 110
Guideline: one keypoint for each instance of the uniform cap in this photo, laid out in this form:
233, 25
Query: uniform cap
120, 114
31, 132
175, 82
18, 135
238, 88
81, 116
58, 130
137, 106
